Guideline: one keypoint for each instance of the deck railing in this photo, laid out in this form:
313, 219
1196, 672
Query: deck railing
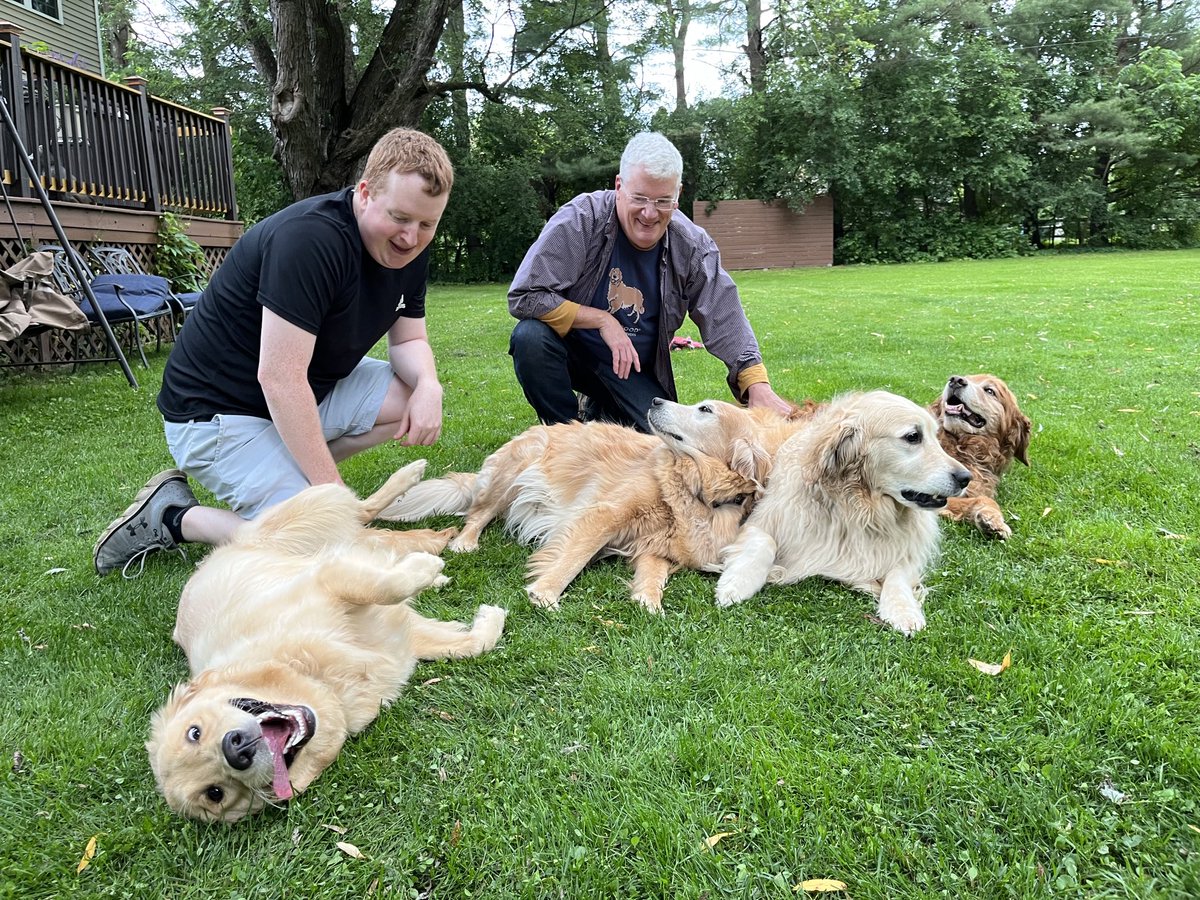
96, 141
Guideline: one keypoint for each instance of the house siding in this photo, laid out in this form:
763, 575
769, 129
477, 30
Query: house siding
74, 41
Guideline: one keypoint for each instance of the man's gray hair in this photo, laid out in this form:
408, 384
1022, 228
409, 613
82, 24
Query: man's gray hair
652, 152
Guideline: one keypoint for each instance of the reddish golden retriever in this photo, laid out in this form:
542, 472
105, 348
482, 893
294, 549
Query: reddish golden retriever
980, 425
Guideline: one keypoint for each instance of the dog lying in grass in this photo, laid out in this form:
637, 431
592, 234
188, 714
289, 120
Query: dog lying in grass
580, 491
297, 632
981, 425
850, 498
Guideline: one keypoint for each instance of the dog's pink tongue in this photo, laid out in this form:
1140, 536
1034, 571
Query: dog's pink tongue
276, 735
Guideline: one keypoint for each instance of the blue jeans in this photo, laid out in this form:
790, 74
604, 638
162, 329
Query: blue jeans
551, 369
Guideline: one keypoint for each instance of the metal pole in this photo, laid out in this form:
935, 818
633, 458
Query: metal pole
81, 276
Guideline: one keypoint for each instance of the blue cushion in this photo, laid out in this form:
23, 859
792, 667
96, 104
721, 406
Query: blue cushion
146, 294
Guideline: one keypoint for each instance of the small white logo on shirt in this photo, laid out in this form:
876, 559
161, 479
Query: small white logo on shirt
400, 305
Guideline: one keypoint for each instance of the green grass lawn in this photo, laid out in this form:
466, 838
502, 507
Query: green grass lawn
599, 751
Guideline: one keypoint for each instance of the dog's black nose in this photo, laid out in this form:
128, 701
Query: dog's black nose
961, 478
238, 746
657, 401
958, 381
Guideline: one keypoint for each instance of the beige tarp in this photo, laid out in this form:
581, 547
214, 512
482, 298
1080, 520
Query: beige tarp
28, 298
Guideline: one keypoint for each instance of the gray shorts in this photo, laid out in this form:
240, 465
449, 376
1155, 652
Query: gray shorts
242, 459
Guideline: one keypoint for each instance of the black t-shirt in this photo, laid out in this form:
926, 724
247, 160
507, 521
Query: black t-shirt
307, 264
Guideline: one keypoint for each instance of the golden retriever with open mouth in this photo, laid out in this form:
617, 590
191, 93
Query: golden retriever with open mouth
297, 632
982, 427
581, 491
850, 499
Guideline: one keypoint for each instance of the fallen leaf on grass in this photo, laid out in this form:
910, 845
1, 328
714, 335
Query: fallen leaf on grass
610, 623
591, 648
1046, 511
1129, 409
441, 714
1194, 828
993, 668
1109, 792
713, 839
1107, 562
874, 620
1117, 450
88, 853
430, 681
55, 571
84, 626
336, 829
819, 886
456, 833
18, 761
1172, 536
1140, 612
350, 850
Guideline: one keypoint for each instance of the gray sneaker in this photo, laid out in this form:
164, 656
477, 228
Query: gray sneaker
140, 530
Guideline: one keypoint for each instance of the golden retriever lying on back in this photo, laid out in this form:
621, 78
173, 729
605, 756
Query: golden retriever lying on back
296, 633
983, 428
848, 500
583, 491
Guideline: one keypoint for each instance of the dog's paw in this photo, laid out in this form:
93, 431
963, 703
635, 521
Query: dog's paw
490, 619
727, 597
993, 525
908, 620
463, 544
409, 475
424, 569
649, 604
440, 582
541, 598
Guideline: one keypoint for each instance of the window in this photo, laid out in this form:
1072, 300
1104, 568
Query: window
45, 7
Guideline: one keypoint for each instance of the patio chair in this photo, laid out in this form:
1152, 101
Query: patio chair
140, 299
114, 260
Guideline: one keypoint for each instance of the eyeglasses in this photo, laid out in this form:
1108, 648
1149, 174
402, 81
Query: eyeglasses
662, 204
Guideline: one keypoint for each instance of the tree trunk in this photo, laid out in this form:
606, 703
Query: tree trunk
308, 103
460, 119
681, 19
755, 46
324, 125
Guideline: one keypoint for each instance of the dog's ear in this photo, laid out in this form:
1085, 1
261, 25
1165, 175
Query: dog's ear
721, 485
713, 483
750, 460
937, 407
841, 448
1018, 438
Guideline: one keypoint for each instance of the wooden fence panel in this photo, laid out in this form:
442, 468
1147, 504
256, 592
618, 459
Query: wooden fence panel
756, 235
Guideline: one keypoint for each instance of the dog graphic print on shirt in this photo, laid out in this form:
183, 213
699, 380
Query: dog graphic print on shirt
630, 291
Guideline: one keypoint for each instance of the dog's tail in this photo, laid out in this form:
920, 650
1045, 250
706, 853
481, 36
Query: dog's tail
449, 495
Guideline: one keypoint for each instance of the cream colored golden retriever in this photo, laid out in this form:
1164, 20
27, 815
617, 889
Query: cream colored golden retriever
981, 425
850, 499
296, 633
586, 490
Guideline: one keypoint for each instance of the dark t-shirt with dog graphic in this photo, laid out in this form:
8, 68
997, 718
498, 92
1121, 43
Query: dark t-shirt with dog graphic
630, 291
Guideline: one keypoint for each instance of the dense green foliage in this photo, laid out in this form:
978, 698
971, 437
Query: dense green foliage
178, 258
597, 748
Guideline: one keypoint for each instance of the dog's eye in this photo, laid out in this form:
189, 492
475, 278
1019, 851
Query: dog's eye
989, 390
193, 733
705, 408
214, 793
913, 437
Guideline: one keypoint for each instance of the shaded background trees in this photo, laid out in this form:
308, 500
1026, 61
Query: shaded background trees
940, 129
